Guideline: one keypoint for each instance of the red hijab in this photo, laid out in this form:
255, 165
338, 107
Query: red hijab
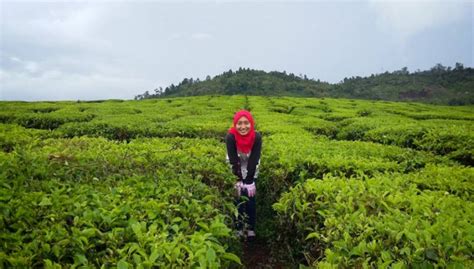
244, 142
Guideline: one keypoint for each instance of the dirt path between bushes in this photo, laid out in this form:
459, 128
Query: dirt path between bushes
257, 255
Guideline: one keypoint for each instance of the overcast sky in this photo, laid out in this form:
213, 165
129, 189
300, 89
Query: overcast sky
74, 50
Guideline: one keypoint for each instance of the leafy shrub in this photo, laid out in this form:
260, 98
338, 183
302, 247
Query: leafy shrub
380, 222
145, 184
93, 202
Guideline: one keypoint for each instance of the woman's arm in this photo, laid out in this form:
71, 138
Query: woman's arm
254, 159
232, 154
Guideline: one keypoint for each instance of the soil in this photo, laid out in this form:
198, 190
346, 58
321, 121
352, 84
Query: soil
257, 255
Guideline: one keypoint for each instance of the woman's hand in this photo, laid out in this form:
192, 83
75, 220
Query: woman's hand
251, 189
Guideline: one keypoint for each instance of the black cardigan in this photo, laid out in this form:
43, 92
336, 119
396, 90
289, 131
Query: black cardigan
253, 159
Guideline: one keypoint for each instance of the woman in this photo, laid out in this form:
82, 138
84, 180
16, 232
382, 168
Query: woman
244, 146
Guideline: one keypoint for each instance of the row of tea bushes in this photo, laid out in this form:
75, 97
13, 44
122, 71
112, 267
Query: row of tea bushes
45, 121
384, 222
83, 159
94, 202
125, 131
439, 130
186, 117
292, 158
442, 137
307, 157
12, 136
136, 222
387, 123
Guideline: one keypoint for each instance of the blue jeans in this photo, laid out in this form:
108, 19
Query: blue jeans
247, 211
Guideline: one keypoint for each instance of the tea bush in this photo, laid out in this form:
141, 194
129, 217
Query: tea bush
385, 221
144, 184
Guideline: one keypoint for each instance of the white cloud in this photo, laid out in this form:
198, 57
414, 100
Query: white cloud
201, 36
55, 25
194, 36
406, 18
23, 65
15, 59
175, 36
31, 67
56, 85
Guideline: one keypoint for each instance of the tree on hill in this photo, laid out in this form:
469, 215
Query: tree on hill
440, 84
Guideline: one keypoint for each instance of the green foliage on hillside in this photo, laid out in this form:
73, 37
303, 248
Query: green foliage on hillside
440, 85
245, 82
145, 184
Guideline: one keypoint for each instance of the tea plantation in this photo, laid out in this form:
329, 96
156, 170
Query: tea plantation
144, 184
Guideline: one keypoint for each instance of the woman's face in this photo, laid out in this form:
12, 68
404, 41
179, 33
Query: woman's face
243, 126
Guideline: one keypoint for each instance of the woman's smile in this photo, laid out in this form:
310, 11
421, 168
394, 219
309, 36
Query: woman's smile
243, 126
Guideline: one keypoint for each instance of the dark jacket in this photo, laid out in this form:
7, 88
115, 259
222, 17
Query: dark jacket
237, 158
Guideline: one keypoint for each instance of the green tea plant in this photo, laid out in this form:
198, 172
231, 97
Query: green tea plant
94, 193
385, 221
144, 184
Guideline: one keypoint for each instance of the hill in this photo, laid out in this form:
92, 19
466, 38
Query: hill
439, 85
